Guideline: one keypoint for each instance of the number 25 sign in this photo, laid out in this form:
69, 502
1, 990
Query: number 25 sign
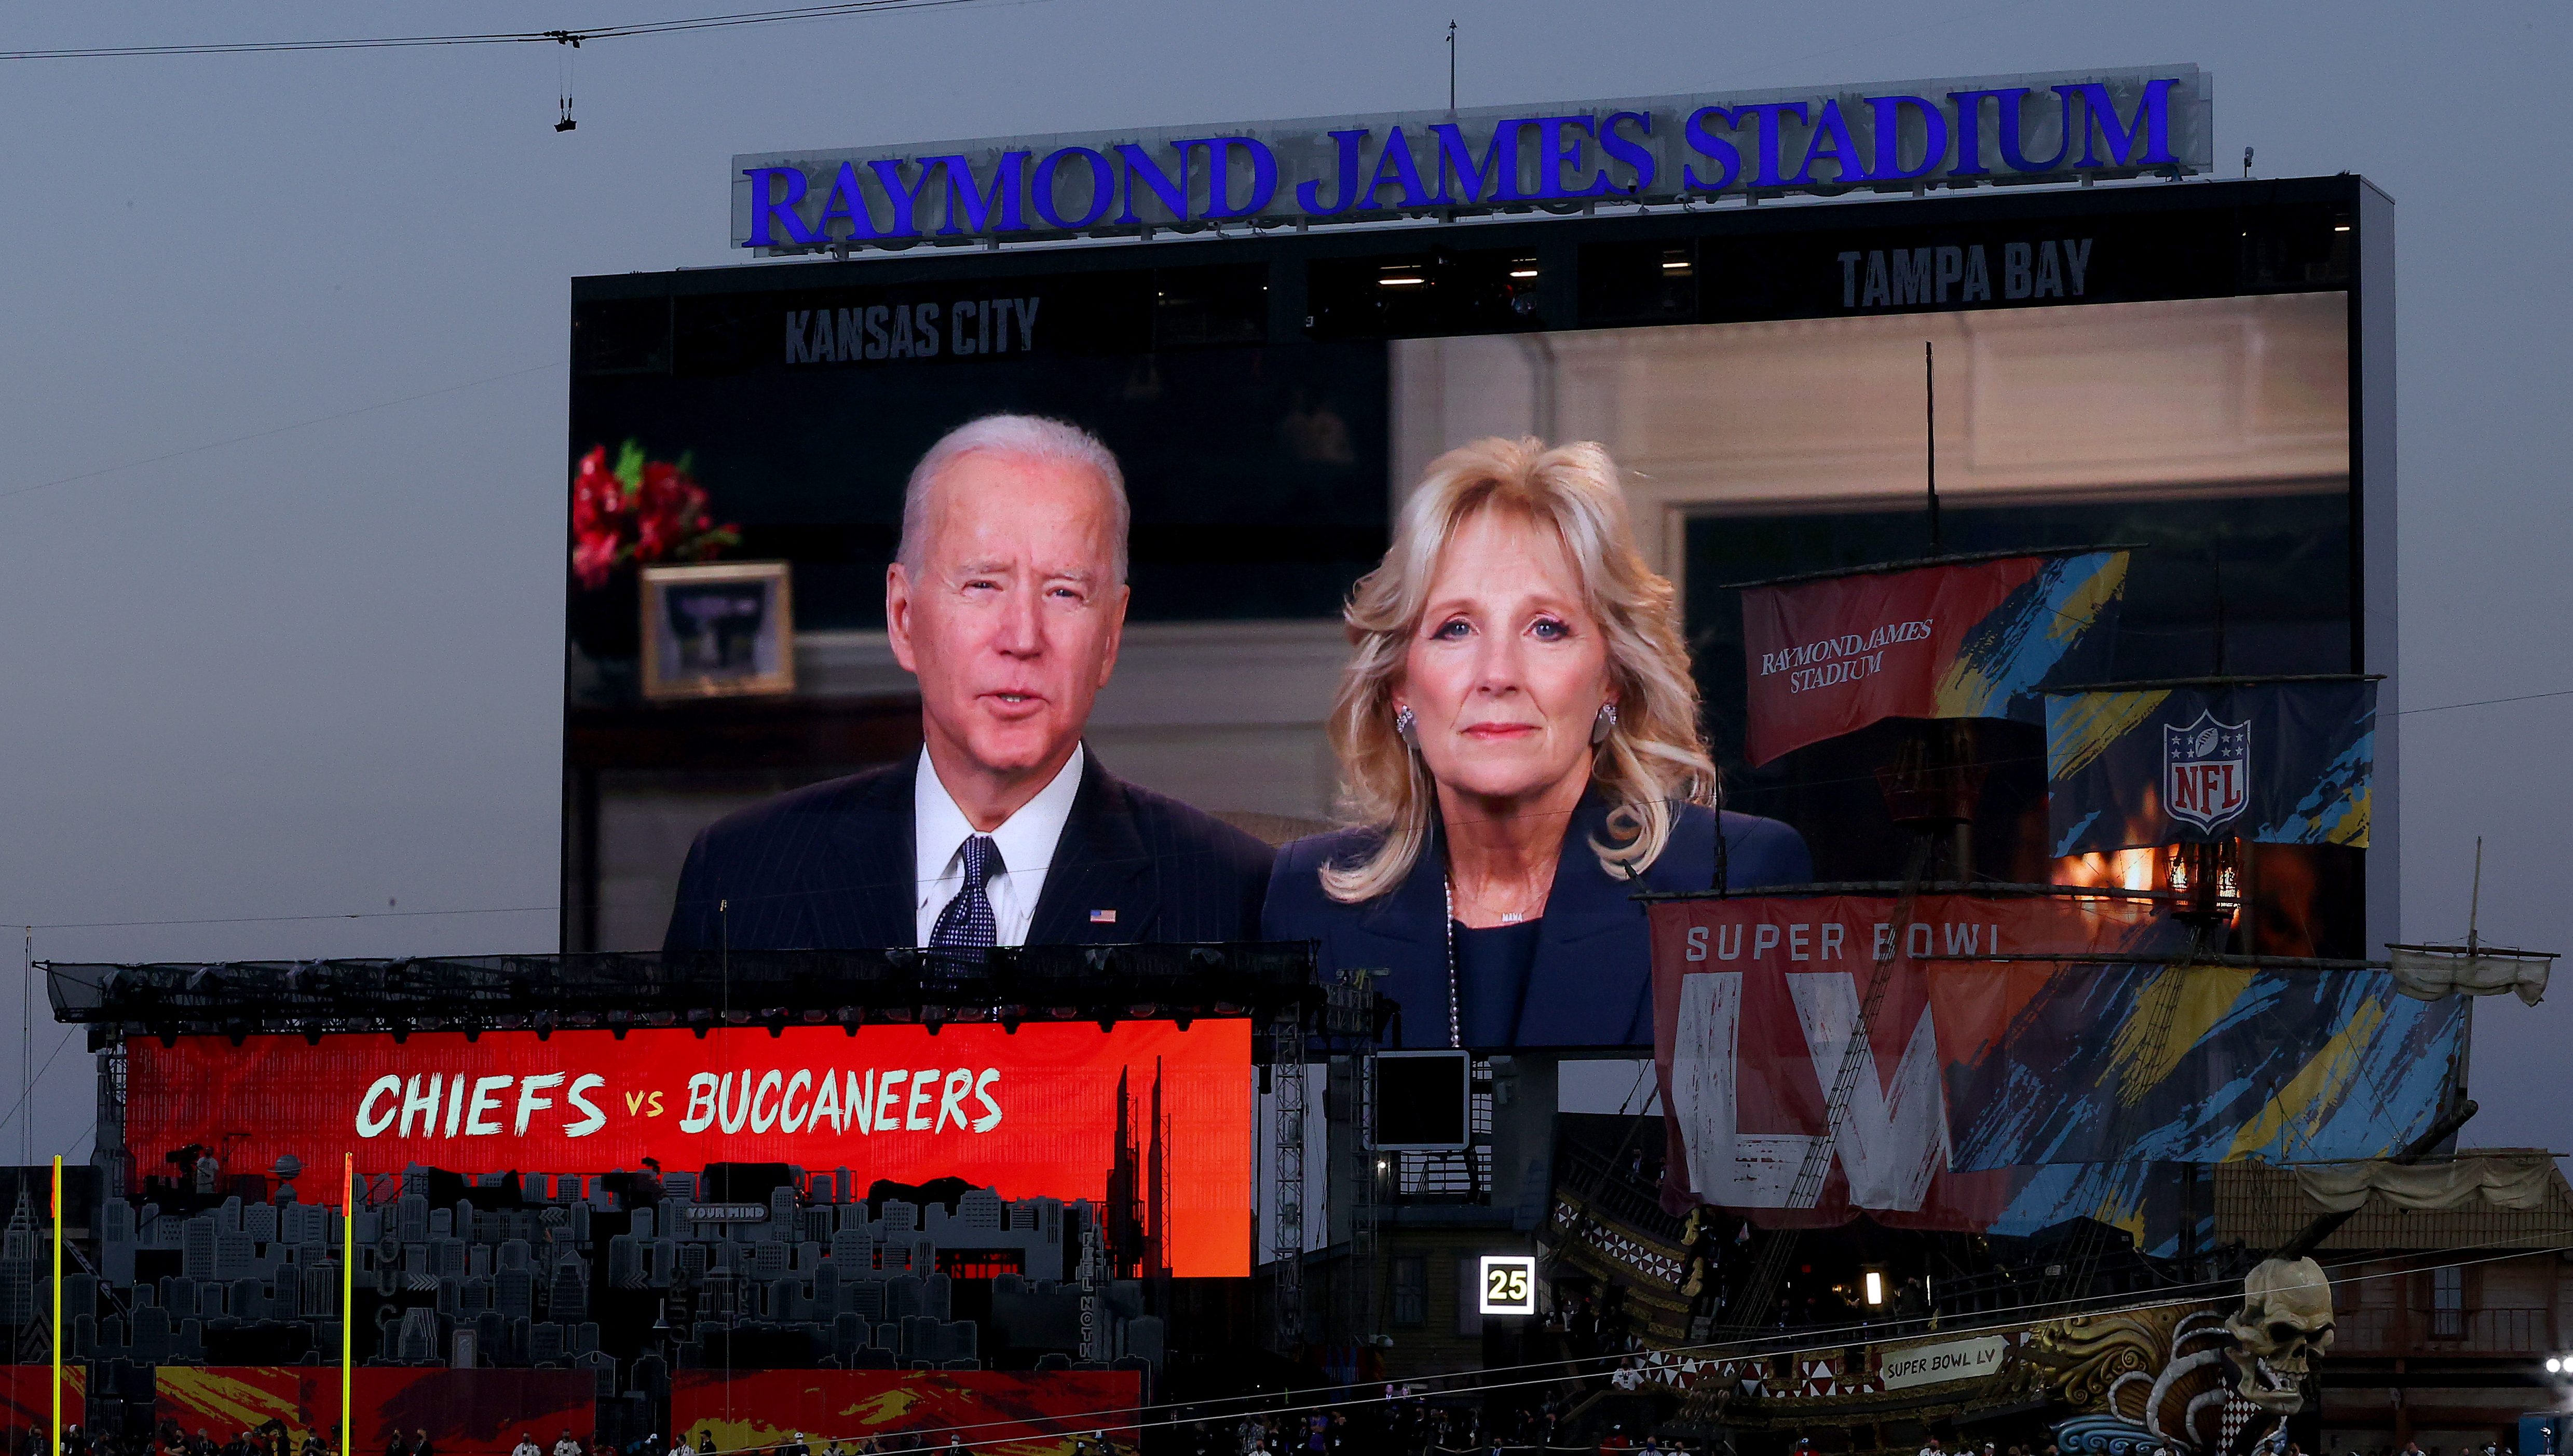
1509, 1285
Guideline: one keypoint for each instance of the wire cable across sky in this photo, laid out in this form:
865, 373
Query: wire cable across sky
846, 8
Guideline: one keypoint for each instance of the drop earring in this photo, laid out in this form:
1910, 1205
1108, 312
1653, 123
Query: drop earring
1407, 727
1601, 725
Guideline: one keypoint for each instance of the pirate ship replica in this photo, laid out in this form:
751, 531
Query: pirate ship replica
1940, 1143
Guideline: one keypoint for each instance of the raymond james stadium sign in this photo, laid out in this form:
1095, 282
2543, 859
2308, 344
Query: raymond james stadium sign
1661, 149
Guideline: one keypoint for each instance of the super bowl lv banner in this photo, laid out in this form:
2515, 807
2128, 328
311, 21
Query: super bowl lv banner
1975, 638
2007, 1096
2155, 764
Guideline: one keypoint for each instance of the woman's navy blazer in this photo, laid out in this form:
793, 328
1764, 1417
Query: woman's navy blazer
1592, 983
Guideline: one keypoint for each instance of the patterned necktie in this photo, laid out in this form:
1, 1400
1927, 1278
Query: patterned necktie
967, 923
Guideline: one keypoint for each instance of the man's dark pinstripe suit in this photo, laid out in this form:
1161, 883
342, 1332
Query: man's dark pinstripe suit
831, 867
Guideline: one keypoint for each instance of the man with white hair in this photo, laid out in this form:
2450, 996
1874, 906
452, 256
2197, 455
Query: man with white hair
1006, 599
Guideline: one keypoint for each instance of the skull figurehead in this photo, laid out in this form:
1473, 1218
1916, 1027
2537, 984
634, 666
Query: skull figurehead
2285, 1321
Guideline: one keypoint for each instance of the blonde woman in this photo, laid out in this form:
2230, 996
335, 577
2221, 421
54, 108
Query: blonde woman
1518, 742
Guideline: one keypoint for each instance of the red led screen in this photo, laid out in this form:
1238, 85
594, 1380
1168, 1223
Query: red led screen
1035, 1113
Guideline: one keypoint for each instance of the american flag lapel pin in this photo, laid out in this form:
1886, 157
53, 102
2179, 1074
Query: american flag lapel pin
1103, 917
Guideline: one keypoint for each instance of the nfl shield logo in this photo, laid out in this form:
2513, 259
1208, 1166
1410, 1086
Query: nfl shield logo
2206, 771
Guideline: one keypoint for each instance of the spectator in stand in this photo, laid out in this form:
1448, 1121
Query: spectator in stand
420, 1443
564, 1445
678, 1446
705, 1443
526, 1445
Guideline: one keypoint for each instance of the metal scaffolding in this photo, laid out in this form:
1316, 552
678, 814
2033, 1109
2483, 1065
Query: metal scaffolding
1286, 1228
1351, 1013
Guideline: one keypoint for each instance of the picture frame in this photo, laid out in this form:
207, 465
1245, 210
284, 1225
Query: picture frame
719, 630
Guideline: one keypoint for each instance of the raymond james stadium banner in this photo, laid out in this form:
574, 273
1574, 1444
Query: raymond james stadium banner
1970, 639
1008, 1412
1565, 156
2277, 763
1045, 1111
465, 1413
2008, 1095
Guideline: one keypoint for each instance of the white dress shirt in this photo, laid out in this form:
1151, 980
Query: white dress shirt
1025, 841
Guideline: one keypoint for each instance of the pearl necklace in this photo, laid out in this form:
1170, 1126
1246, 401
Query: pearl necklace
1448, 886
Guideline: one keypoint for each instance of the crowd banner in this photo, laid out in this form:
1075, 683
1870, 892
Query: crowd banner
465, 1413
2005, 1096
2132, 767
26, 1396
1971, 639
1005, 1412
1045, 1110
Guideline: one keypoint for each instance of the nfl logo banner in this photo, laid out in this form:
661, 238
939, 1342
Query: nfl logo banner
1968, 637
2206, 772
2134, 766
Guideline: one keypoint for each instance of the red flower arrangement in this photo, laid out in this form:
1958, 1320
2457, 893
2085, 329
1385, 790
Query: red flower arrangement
642, 511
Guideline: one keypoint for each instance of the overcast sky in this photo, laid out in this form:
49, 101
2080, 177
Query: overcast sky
282, 441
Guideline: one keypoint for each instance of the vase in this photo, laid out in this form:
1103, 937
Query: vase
605, 621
